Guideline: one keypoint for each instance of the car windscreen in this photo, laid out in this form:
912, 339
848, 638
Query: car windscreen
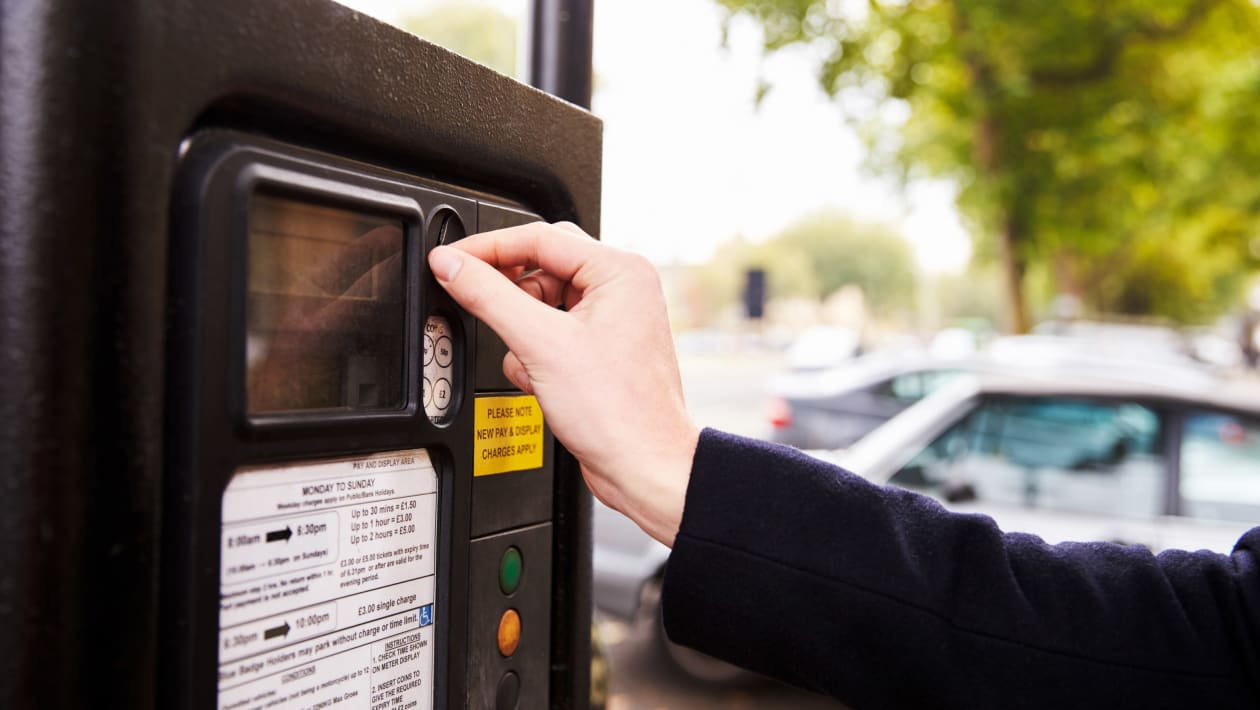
1057, 453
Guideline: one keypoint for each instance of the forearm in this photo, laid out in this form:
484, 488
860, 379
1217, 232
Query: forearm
883, 598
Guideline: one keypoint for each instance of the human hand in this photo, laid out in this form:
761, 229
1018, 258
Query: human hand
604, 369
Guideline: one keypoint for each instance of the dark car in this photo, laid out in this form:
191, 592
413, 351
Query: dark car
836, 407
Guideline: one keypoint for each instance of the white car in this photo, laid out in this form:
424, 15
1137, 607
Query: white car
1090, 459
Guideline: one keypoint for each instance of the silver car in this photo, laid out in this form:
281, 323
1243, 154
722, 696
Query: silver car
1094, 458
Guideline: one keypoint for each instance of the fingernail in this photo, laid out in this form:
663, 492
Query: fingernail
445, 263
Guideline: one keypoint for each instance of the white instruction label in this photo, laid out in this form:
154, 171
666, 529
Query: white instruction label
327, 584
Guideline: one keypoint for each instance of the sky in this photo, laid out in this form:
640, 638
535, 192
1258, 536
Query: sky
690, 162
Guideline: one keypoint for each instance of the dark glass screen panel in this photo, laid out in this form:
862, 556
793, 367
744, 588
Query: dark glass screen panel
325, 308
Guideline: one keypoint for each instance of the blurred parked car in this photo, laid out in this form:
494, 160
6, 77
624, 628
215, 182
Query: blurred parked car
1044, 439
1094, 458
836, 407
833, 408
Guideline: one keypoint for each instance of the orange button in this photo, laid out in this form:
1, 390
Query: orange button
509, 632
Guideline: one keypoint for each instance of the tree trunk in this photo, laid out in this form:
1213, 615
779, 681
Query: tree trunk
1012, 228
987, 153
1013, 274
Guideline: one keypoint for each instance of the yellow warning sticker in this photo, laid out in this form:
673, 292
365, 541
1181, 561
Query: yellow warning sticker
509, 435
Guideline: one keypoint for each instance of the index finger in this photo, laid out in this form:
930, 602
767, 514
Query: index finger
561, 251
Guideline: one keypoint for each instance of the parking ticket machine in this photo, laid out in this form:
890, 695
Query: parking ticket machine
253, 455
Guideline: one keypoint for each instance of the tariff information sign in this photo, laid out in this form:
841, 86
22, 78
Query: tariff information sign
327, 584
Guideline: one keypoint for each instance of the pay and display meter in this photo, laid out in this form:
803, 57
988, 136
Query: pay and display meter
276, 466
381, 498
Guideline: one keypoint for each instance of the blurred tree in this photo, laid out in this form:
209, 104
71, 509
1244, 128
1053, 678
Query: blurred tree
1084, 136
842, 251
973, 296
478, 32
816, 257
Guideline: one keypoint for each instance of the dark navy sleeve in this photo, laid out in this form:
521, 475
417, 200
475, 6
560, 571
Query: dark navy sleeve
881, 598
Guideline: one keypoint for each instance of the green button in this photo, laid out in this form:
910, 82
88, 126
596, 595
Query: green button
510, 570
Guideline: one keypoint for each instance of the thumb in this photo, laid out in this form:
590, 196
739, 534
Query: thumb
510, 312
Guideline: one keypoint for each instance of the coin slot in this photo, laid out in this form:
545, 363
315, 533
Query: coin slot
446, 227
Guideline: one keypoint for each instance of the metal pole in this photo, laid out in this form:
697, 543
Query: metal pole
560, 64
560, 49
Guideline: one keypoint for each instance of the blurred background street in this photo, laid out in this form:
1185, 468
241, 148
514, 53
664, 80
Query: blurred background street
728, 391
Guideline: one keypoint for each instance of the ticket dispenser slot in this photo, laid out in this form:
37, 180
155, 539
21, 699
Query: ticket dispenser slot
383, 517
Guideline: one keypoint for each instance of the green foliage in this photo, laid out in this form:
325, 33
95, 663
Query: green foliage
842, 251
973, 296
1106, 145
815, 258
478, 32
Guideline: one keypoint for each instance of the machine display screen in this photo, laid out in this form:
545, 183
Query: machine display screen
325, 303
327, 584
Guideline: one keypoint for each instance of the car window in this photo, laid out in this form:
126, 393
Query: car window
913, 386
1047, 452
1220, 467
